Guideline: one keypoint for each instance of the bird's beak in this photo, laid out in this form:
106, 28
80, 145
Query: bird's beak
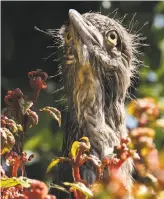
89, 34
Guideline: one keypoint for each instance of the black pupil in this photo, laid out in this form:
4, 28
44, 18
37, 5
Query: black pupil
112, 36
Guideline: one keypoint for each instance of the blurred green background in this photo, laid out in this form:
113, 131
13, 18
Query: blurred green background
24, 49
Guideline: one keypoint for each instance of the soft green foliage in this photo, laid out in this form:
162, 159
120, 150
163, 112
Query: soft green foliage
11, 182
155, 88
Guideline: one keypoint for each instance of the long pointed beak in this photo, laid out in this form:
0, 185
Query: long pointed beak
89, 34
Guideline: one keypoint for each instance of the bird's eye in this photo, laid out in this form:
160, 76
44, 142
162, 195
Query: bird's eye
112, 38
68, 37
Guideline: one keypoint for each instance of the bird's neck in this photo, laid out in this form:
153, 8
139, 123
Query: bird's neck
88, 116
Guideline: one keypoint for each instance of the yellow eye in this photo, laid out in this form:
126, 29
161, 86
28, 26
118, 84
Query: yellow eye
112, 38
68, 37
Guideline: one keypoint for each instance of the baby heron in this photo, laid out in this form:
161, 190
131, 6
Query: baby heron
98, 63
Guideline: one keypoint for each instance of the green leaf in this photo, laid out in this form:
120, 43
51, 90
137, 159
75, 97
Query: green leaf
7, 140
74, 149
11, 182
55, 162
81, 187
55, 186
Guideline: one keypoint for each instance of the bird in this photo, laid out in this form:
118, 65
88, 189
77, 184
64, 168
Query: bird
99, 61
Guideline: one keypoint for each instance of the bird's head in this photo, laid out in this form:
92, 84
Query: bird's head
98, 58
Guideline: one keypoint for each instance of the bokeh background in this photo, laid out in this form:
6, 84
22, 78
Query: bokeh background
24, 49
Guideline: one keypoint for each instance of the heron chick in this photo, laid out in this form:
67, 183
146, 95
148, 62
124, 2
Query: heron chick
99, 59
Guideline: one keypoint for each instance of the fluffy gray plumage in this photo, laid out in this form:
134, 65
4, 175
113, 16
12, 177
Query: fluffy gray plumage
99, 61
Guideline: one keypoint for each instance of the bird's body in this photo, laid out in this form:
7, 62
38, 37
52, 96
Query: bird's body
98, 64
